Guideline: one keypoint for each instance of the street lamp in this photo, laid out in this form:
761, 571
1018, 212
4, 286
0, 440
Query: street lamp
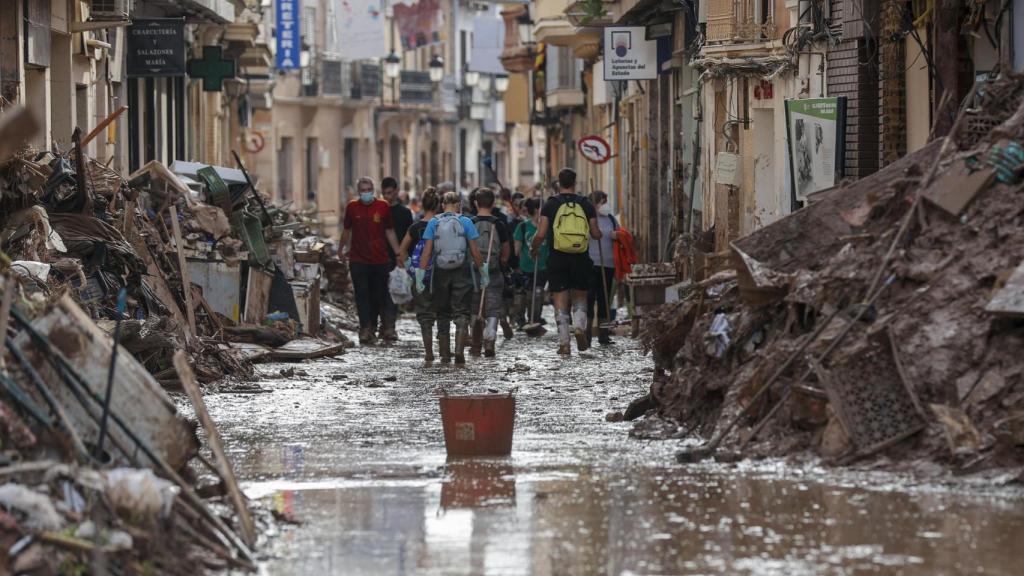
501, 83
485, 83
392, 65
472, 78
436, 69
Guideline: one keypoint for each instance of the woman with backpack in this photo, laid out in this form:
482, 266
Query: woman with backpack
422, 300
602, 254
449, 245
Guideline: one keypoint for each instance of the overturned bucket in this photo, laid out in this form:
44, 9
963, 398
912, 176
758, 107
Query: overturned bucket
478, 425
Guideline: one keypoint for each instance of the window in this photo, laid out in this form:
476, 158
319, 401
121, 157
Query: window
396, 156
312, 168
331, 78
563, 69
284, 169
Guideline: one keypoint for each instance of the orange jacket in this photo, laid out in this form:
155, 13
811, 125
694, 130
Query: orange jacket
625, 253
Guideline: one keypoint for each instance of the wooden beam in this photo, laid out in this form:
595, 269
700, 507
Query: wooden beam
224, 467
99, 127
186, 281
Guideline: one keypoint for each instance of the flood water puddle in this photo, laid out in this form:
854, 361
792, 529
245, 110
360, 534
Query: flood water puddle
352, 450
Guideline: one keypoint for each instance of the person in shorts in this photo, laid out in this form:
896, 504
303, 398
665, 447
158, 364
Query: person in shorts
568, 222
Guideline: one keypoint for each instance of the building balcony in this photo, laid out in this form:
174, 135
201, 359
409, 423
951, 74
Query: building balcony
551, 26
740, 21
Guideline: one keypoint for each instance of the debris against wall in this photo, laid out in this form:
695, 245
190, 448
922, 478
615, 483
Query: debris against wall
886, 319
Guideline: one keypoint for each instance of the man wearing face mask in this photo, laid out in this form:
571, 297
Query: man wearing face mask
369, 227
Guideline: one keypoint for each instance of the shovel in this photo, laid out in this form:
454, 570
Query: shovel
534, 328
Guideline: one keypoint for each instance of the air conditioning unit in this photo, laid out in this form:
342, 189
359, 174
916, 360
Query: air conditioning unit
110, 9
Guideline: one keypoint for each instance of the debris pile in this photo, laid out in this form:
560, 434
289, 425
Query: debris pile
882, 322
114, 288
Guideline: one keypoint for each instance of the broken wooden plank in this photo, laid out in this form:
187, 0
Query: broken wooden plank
186, 283
306, 349
257, 295
154, 417
958, 185
1009, 301
224, 466
158, 282
99, 127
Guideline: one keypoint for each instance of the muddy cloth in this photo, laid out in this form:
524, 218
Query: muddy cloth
452, 292
568, 271
370, 284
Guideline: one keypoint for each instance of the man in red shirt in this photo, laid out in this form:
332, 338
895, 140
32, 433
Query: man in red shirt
369, 226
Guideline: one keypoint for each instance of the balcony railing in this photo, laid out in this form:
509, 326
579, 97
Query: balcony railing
740, 21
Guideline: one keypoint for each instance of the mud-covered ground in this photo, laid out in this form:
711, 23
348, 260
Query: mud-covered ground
351, 449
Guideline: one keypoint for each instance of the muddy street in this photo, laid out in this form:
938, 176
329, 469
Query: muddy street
351, 450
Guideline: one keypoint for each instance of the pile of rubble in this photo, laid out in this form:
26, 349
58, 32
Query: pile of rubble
115, 288
881, 324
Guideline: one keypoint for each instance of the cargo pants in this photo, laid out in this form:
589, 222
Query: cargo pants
451, 292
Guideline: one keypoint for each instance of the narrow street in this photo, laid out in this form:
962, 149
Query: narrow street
351, 450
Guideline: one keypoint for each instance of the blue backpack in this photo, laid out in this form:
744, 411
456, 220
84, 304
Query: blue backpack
416, 256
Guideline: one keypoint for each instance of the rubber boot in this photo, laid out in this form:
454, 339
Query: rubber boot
579, 325
428, 343
444, 348
604, 336
461, 335
489, 348
366, 337
590, 332
477, 341
388, 331
506, 329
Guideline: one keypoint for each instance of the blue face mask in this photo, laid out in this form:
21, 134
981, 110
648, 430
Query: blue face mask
366, 197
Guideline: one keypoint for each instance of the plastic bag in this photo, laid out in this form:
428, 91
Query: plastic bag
400, 286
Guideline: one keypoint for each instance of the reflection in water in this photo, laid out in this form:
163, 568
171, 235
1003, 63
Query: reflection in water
475, 483
363, 469
489, 518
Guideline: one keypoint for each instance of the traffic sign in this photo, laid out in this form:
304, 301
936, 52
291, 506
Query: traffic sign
595, 149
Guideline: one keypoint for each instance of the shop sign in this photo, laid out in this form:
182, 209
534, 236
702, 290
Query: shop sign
288, 39
156, 48
816, 130
629, 55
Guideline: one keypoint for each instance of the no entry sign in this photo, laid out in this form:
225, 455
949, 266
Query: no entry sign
595, 149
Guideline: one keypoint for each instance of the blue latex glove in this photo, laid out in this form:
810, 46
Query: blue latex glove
420, 274
485, 277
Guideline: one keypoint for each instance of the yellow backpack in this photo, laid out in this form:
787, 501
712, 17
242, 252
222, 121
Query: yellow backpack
571, 228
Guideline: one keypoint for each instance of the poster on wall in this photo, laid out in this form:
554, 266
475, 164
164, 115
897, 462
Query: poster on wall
419, 24
359, 29
816, 133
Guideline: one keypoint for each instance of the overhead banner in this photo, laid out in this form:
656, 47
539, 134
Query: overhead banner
816, 130
419, 24
360, 26
629, 55
288, 35
156, 48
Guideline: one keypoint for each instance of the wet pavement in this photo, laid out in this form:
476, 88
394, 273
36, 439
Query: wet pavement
352, 450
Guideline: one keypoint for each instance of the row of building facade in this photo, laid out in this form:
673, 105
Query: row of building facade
702, 150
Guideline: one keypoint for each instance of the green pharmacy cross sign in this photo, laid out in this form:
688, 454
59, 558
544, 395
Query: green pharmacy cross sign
212, 68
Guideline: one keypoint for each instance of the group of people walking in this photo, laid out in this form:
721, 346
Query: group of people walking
481, 269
